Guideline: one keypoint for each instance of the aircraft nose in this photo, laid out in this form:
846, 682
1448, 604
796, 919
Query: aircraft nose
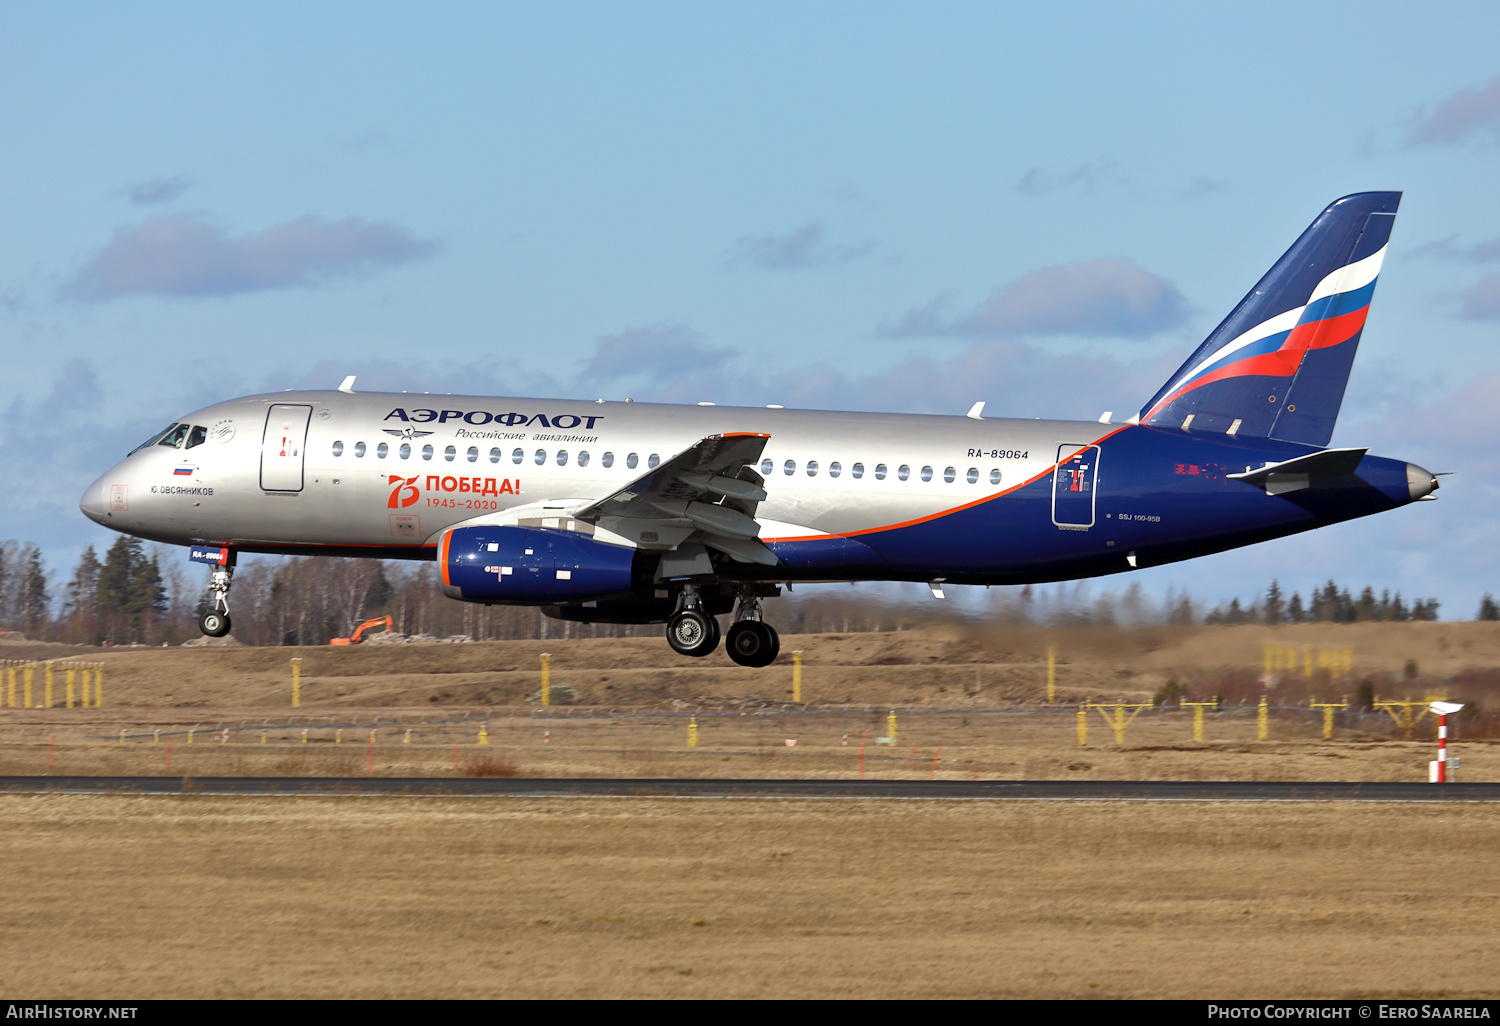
1421, 483
95, 500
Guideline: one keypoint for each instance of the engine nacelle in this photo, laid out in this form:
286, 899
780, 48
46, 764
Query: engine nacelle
533, 566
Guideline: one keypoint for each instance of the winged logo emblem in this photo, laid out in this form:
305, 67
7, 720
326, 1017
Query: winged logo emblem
407, 433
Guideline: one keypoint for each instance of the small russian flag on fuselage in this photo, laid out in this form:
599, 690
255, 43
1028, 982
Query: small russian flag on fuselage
183, 472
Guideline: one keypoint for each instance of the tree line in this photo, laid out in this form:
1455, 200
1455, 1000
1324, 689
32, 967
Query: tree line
145, 595
1328, 604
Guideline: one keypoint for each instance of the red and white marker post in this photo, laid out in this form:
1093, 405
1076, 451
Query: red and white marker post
1439, 769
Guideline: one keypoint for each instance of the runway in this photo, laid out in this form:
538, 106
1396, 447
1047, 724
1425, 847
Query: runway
624, 787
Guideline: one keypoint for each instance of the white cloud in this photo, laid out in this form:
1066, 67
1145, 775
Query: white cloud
797, 250
1106, 298
156, 190
1454, 119
1040, 181
183, 256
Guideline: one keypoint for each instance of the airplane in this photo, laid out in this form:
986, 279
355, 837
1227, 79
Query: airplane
626, 512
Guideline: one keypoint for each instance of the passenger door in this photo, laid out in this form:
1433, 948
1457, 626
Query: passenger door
281, 448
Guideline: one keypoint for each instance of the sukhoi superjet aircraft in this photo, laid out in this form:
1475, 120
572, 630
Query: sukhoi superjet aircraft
623, 512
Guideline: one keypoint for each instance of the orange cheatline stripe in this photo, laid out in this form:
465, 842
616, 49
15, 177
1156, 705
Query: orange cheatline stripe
443, 557
955, 509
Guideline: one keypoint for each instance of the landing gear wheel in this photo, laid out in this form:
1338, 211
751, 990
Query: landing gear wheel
214, 623
692, 633
752, 643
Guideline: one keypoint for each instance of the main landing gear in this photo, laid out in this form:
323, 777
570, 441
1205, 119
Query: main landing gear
751, 641
690, 630
215, 620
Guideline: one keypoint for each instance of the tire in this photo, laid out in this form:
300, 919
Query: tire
752, 643
775, 644
214, 623
692, 633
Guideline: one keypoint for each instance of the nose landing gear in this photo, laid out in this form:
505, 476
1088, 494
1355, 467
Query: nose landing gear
215, 620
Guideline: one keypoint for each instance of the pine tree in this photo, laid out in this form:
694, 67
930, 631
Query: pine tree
79, 603
33, 598
1275, 607
130, 596
1294, 611
1488, 609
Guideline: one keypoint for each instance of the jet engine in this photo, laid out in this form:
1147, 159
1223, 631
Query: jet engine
534, 566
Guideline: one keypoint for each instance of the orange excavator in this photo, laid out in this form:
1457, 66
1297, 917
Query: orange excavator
359, 632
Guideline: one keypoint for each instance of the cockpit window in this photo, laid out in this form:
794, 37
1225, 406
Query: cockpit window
197, 436
159, 436
176, 436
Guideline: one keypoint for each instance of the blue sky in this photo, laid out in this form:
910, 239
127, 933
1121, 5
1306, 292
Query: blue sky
865, 206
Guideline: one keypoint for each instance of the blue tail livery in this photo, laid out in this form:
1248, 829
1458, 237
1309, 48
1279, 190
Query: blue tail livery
623, 512
1277, 365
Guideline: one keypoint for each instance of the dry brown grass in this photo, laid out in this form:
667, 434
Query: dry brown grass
974, 745
207, 897
943, 666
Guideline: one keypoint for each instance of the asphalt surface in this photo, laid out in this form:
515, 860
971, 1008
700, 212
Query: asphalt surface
618, 787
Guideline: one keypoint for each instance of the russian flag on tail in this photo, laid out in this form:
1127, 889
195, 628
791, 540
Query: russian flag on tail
1278, 364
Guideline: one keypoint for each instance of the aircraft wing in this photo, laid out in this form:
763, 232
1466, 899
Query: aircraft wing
707, 488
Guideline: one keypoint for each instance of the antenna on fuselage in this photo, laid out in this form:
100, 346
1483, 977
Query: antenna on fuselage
348, 385
976, 411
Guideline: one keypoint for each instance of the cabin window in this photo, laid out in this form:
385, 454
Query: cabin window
449, 453
541, 457
427, 452
880, 471
812, 468
926, 473
995, 476
562, 457
949, 474
632, 460
973, 475
834, 470
789, 467
495, 455
766, 466
406, 450
473, 454
903, 472
608, 459
583, 458
858, 470
197, 436
338, 448
652, 461
517, 456
359, 450
382, 451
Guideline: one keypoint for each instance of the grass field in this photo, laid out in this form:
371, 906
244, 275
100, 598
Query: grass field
381, 897
950, 746
205, 897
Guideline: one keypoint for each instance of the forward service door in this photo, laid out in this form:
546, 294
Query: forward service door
281, 448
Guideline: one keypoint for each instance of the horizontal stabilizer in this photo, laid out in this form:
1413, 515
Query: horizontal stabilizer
1294, 475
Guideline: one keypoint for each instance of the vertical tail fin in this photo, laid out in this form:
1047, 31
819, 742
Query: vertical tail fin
1278, 364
